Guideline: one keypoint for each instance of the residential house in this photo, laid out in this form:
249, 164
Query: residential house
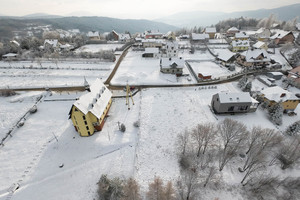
211, 31
254, 58
232, 31
51, 44
294, 75
283, 37
146, 43
172, 66
224, 55
93, 35
240, 45
276, 94
260, 45
262, 34
274, 75
170, 36
200, 38
121, 37
241, 36
89, 112
184, 37
9, 56
170, 49
154, 35
241, 102
151, 53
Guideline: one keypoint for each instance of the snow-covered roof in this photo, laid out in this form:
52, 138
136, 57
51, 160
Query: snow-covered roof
172, 62
93, 34
94, 101
261, 30
233, 29
172, 44
65, 46
123, 36
280, 34
224, 54
240, 97
277, 94
276, 73
258, 44
197, 36
151, 50
253, 55
241, 35
210, 30
153, 41
240, 43
10, 55
52, 42
15, 42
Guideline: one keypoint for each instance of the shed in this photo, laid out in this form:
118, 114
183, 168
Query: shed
274, 75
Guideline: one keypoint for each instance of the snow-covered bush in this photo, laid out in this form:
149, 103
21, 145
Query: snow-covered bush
122, 128
136, 124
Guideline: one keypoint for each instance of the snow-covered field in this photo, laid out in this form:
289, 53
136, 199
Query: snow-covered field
197, 56
94, 48
64, 73
136, 70
209, 68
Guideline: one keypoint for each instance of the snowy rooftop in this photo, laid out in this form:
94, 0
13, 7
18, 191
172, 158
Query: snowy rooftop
240, 43
153, 40
210, 30
151, 50
224, 54
241, 35
172, 62
257, 55
124, 36
235, 97
93, 34
280, 34
197, 36
51, 42
232, 29
278, 94
94, 101
10, 55
258, 44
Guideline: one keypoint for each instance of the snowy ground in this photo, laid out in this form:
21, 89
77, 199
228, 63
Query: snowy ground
94, 48
28, 74
32, 156
210, 68
197, 56
136, 70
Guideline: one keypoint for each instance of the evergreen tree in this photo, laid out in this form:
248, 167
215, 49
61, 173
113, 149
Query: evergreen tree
275, 113
293, 129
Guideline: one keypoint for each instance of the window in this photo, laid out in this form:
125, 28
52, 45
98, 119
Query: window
85, 122
87, 128
76, 109
230, 108
89, 133
83, 117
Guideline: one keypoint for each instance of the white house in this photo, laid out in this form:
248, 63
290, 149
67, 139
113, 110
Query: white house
93, 35
172, 65
151, 53
170, 49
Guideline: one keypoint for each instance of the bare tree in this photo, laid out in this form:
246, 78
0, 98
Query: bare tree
203, 135
131, 190
186, 185
156, 190
269, 138
289, 153
255, 156
211, 173
253, 138
182, 142
232, 134
169, 192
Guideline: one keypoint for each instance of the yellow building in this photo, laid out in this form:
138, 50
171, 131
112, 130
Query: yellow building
240, 45
277, 94
89, 111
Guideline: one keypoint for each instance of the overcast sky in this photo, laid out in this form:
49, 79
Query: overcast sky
133, 9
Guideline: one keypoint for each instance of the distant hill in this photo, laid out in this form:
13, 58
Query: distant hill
40, 16
84, 24
204, 18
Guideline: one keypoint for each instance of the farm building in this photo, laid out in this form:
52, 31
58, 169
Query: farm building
172, 65
241, 102
89, 111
